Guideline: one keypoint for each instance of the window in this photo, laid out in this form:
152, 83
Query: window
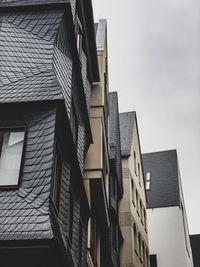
56, 181
143, 252
135, 237
135, 163
148, 181
145, 219
139, 176
133, 191
141, 213
139, 245
11, 151
104, 160
137, 202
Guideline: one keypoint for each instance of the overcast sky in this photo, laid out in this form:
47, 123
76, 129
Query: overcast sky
154, 64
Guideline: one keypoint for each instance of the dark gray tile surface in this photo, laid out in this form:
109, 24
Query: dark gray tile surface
164, 186
126, 131
26, 56
9, 3
25, 211
114, 136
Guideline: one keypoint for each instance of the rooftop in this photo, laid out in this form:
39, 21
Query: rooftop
127, 120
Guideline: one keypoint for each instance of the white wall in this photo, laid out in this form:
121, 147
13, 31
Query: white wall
167, 237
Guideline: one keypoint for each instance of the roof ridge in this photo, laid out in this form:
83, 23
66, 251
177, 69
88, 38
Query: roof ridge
161, 151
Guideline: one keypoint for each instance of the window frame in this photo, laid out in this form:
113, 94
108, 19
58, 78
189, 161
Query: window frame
2, 128
148, 181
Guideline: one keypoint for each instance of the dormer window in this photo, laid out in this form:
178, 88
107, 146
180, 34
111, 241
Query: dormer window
11, 151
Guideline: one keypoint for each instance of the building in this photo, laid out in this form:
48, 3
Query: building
115, 181
96, 165
48, 65
195, 245
169, 242
135, 248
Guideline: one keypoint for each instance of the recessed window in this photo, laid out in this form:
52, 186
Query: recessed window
135, 237
139, 176
137, 202
11, 150
141, 213
133, 191
135, 163
148, 181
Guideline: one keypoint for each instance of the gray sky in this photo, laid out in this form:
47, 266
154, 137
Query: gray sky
154, 64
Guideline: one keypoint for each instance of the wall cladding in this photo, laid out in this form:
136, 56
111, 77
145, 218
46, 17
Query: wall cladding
25, 212
26, 53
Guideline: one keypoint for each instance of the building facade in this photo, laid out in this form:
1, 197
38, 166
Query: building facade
96, 165
167, 222
115, 181
133, 219
48, 65
195, 245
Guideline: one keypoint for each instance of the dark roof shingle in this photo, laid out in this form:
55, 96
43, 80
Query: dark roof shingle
25, 212
26, 56
114, 136
127, 120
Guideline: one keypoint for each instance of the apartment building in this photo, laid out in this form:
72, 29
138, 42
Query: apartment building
133, 218
169, 242
96, 166
115, 181
48, 65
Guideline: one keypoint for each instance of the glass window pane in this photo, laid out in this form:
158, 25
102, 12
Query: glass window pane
148, 176
148, 185
10, 159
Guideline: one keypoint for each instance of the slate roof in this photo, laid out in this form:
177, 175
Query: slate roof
127, 120
25, 211
100, 34
16, 3
195, 245
164, 185
114, 136
26, 56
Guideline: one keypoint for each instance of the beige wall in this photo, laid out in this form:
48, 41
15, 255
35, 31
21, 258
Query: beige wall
97, 156
128, 211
